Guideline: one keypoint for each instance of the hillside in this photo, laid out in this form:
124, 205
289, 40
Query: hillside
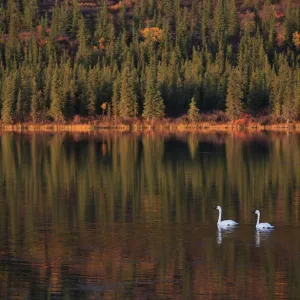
149, 59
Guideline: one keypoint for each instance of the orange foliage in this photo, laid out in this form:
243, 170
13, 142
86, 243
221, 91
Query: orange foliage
154, 33
296, 39
116, 7
243, 120
104, 105
280, 38
43, 42
101, 44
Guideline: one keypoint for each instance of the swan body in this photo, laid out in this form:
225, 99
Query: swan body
262, 226
225, 223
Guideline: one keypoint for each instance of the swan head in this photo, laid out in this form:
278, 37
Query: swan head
218, 207
257, 212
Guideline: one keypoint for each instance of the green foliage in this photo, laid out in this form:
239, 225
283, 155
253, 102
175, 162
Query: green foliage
9, 98
235, 94
56, 96
70, 63
193, 112
258, 93
153, 105
127, 106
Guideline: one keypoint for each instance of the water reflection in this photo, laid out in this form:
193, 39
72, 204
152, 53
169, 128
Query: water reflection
130, 216
262, 235
224, 233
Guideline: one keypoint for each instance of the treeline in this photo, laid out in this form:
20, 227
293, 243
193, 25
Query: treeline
148, 58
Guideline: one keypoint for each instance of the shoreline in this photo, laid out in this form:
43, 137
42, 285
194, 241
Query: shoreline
168, 126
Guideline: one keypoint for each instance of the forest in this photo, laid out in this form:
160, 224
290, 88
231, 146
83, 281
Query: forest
149, 59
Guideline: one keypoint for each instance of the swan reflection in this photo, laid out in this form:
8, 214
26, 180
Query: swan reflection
223, 233
261, 235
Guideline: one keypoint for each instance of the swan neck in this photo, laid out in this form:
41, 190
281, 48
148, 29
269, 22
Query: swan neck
258, 216
220, 215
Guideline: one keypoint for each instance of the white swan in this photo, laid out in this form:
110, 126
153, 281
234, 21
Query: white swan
225, 223
262, 226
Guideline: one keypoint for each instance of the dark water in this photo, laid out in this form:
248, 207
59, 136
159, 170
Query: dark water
131, 216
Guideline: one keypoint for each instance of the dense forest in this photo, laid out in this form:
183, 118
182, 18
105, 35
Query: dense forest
149, 58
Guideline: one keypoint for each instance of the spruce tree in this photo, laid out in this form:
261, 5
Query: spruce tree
128, 98
56, 96
219, 24
116, 97
235, 94
83, 50
258, 94
296, 92
289, 111
34, 103
8, 96
193, 112
153, 104
233, 20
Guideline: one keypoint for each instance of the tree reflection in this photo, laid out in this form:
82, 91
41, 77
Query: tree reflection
130, 216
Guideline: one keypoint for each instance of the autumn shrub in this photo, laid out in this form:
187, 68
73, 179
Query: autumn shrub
76, 119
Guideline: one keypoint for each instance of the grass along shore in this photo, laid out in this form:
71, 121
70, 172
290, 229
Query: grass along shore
133, 125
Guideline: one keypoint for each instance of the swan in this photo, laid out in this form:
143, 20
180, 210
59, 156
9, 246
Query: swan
262, 225
225, 223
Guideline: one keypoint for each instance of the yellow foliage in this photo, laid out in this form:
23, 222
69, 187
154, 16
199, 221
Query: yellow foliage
115, 7
101, 43
104, 105
154, 33
296, 39
43, 42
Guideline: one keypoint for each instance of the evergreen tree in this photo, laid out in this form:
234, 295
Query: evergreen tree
116, 97
220, 24
289, 110
235, 94
56, 96
153, 105
193, 112
83, 50
128, 100
258, 94
233, 20
296, 93
8, 96
34, 103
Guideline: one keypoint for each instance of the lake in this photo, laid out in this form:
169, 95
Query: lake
131, 216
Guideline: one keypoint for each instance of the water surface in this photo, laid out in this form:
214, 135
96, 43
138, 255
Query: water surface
123, 216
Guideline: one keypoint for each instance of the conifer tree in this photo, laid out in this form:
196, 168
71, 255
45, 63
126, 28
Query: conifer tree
193, 112
258, 94
296, 93
233, 20
116, 97
56, 96
83, 50
8, 96
235, 94
153, 105
128, 99
85, 96
219, 24
19, 107
34, 103
289, 111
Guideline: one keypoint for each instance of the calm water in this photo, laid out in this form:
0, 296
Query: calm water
131, 216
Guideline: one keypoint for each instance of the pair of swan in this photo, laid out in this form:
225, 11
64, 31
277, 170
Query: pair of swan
230, 223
